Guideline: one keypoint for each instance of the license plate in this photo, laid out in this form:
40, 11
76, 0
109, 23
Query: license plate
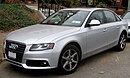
12, 55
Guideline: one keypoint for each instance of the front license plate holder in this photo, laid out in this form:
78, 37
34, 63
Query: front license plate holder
12, 55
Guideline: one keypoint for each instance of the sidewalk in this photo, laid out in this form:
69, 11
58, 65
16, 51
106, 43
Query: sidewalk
35, 7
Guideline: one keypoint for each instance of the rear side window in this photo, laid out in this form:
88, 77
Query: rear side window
126, 15
110, 17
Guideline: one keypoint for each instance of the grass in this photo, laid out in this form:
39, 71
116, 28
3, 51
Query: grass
13, 16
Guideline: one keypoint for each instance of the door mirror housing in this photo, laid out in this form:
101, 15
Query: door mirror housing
94, 23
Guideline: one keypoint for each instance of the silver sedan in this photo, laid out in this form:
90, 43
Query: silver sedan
66, 38
126, 17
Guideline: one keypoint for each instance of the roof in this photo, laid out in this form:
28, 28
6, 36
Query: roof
86, 9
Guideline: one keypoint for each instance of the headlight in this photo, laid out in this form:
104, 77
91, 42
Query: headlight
40, 47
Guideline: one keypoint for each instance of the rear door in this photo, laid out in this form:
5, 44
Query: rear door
113, 26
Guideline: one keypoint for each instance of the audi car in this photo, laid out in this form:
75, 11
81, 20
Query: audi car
65, 38
126, 17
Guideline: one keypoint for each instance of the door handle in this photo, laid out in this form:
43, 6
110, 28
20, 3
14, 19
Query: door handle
105, 29
117, 27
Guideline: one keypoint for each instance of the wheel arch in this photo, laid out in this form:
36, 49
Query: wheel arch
75, 44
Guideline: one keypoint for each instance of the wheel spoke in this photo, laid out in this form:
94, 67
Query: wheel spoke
122, 37
65, 58
121, 42
124, 40
74, 55
73, 61
70, 64
66, 63
69, 53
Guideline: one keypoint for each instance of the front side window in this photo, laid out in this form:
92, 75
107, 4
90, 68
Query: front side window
67, 18
110, 17
97, 15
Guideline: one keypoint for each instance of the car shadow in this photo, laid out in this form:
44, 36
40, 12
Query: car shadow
128, 40
34, 72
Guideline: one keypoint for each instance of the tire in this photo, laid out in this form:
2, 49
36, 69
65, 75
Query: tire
122, 42
69, 60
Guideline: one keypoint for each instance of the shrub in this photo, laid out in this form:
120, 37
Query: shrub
14, 16
101, 5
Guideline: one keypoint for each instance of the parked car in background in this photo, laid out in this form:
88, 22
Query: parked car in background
65, 38
126, 17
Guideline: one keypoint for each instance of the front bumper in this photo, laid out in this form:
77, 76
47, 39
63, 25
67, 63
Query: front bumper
47, 59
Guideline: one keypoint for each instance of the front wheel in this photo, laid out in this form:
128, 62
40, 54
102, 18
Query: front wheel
69, 59
122, 42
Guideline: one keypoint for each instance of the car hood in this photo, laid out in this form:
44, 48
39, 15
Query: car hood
40, 33
128, 21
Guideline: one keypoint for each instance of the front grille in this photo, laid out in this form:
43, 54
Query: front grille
15, 47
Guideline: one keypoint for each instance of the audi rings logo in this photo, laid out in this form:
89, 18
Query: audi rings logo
13, 46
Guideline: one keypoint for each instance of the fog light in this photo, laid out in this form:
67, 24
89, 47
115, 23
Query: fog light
37, 63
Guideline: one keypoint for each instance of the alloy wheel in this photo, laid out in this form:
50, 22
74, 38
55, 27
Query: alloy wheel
122, 41
70, 59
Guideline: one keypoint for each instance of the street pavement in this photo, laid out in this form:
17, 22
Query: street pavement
108, 64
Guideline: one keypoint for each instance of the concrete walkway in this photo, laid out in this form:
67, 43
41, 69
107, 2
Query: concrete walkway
35, 7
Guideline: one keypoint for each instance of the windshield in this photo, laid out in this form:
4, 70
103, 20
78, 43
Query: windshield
67, 18
126, 15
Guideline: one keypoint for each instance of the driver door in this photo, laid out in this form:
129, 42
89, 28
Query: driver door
96, 34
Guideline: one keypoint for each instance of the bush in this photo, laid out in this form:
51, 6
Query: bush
69, 3
101, 5
14, 16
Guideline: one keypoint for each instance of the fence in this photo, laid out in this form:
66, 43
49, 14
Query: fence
48, 8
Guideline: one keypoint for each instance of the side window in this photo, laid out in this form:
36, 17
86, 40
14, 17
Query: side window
98, 15
110, 17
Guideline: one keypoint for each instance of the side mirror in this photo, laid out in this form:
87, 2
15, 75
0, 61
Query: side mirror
94, 23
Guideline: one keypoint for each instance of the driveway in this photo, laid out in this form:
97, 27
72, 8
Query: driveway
108, 64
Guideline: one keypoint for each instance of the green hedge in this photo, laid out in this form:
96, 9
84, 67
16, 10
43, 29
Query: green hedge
14, 16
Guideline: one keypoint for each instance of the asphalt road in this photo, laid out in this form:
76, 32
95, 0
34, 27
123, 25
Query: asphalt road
108, 64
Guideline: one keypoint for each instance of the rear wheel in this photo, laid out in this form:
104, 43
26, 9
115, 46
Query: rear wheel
122, 42
69, 59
